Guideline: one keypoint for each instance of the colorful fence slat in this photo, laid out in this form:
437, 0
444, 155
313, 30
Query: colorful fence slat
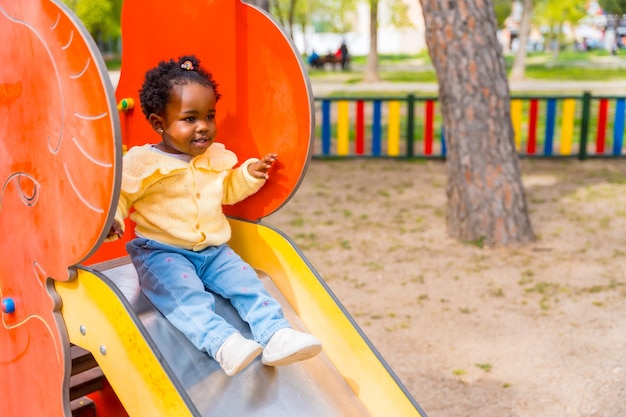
326, 127
443, 142
549, 131
429, 121
393, 128
359, 146
516, 120
531, 143
618, 126
343, 129
376, 128
567, 126
603, 107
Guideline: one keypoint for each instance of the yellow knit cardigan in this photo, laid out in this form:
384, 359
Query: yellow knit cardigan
180, 203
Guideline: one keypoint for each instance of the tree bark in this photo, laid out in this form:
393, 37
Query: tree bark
371, 70
486, 200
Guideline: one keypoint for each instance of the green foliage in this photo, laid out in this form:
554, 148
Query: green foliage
503, 9
334, 16
399, 14
553, 13
324, 15
614, 7
100, 17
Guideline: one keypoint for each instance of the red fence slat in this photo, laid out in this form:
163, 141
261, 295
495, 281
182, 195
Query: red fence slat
601, 132
429, 108
531, 146
360, 129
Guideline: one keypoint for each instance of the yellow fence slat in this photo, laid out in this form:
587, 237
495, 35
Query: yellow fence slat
343, 129
516, 120
393, 129
567, 126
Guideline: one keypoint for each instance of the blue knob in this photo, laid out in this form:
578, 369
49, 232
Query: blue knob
8, 305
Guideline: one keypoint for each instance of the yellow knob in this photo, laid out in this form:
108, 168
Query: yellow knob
125, 104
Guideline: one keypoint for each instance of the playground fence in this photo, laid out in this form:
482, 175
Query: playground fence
580, 126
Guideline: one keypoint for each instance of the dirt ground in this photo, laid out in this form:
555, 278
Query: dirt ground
536, 331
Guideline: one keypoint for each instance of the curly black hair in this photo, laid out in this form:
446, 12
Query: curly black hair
157, 86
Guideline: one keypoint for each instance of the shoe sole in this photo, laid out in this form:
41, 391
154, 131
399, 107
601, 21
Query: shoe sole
297, 356
247, 361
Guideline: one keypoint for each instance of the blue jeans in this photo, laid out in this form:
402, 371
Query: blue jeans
176, 280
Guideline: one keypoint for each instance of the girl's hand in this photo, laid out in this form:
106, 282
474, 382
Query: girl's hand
259, 169
116, 231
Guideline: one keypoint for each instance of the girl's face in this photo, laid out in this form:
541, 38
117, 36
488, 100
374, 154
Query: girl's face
188, 125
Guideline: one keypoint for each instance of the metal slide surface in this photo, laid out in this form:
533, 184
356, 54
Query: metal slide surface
310, 388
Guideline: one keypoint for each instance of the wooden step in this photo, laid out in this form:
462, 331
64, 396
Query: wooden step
83, 407
86, 382
86, 376
82, 359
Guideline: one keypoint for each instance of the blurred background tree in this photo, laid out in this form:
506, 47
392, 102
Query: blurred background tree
613, 7
102, 19
554, 15
399, 19
518, 71
321, 15
502, 10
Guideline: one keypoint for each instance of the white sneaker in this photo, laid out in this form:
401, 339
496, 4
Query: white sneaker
287, 346
236, 353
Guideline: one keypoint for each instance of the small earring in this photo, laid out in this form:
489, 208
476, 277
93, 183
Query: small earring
160, 131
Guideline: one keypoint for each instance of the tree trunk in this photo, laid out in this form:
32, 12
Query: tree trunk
371, 71
486, 201
518, 72
556, 43
292, 10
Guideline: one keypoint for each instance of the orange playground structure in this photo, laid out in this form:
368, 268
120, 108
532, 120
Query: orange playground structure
78, 338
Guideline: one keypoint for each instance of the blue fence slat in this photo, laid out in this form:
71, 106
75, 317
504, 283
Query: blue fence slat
326, 127
548, 144
550, 120
443, 142
376, 128
618, 126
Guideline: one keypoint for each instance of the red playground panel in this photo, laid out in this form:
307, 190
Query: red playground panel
266, 103
58, 171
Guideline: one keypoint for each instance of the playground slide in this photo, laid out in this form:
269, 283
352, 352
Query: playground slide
144, 357
62, 138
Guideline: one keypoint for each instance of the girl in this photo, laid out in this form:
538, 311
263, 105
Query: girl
177, 189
